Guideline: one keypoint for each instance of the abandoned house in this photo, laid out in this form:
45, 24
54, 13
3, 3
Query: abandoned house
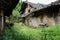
39, 14
6, 8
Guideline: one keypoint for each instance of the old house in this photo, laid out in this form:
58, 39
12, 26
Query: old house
38, 14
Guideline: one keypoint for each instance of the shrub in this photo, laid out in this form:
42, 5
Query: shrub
15, 16
7, 34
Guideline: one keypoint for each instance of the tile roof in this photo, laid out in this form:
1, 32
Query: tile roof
40, 6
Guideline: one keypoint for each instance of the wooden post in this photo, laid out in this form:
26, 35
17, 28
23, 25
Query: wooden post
2, 14
2, 23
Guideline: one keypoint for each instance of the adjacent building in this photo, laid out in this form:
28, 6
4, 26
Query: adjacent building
39, 14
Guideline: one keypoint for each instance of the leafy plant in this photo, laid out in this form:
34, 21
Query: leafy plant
7, 34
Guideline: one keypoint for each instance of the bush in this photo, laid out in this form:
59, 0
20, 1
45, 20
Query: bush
7, 34
16, 12
15, 16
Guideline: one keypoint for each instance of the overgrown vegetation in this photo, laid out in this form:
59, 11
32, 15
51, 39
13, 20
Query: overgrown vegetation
21, 32
16, 13
7, 34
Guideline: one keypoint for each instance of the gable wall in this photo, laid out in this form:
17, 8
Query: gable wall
29, 9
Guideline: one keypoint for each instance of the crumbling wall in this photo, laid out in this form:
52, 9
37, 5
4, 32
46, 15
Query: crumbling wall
58, 17
33, 22
45, 19
51, 21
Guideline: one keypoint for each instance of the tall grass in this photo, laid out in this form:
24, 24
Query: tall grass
22, 32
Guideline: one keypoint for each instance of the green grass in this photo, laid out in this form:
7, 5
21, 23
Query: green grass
25, 33
21, 32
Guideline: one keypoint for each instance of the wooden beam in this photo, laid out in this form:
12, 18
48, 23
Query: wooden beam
2, 22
